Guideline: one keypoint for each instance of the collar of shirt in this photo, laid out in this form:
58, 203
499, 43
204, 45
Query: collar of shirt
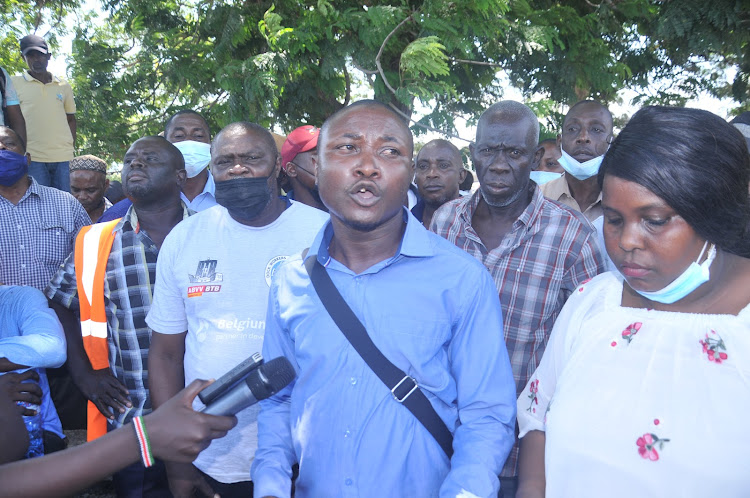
558, 190
209, 189
415, 243
33, 189
527, 218
28, 77
131, 217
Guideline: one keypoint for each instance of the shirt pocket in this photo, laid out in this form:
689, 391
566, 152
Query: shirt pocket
54, 241
413, 343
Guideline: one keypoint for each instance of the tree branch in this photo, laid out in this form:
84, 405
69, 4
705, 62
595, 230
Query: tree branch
348, 82
426, 127
380, 53
366, 71
476, 63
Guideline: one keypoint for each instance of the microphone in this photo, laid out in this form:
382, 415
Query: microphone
263, 382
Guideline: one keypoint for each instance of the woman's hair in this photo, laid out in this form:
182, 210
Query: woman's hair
696, 162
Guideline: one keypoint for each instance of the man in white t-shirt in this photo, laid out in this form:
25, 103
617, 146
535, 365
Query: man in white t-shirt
211, 292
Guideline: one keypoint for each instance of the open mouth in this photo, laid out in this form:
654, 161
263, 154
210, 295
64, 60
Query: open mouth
365, 194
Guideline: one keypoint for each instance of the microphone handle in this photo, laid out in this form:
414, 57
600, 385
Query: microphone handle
238, 398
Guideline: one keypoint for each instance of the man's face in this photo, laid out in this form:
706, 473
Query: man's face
241, 153
88, 187
36, 61
504, 154
10, 141
364, 167
587, 131
303, 168
549, 159
150, 170
438, 171
188, 127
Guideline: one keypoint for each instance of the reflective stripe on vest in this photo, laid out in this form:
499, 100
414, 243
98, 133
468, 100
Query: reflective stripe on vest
93, 245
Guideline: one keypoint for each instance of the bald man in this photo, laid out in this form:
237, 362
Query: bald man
537, 251
438, 173
153, 173
212, 284
350, 431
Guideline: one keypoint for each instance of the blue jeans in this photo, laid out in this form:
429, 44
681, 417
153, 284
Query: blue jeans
51, 174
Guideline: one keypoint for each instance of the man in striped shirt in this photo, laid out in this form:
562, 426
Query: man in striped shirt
537, 250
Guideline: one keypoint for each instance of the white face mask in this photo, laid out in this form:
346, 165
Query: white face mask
581, 171
197, 156
542, 177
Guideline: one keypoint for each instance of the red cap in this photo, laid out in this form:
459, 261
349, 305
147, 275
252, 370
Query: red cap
302, 139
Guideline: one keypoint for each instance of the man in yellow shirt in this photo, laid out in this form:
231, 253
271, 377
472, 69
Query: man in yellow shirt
49, 109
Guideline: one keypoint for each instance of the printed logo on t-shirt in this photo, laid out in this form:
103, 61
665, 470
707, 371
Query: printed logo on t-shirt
203, 279
272, 266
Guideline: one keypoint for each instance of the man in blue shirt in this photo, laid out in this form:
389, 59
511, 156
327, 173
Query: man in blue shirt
32, 337
431, 309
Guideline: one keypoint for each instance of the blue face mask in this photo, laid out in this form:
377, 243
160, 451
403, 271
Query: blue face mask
542, 177
693, 277
13, 167
197, 156
582, 171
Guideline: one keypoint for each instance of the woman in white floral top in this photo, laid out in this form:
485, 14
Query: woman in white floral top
644, 388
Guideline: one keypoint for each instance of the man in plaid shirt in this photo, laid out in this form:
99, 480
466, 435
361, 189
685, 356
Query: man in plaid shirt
152, 175
537, 251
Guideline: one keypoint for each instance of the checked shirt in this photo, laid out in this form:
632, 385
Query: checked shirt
128, 291
37, 234
547, 253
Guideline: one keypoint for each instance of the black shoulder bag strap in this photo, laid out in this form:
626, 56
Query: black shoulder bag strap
404, 388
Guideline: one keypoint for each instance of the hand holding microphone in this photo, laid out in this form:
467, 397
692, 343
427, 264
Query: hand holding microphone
261, 383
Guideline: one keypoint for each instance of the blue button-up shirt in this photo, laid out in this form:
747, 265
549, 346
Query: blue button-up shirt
434, 312
206, 199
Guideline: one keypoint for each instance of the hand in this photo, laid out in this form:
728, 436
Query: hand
18, 388
185, 481
104, 390
178, 433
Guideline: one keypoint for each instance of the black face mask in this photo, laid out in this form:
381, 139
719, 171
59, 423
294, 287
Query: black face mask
244, 198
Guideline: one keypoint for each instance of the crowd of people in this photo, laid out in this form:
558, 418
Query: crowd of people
578, 325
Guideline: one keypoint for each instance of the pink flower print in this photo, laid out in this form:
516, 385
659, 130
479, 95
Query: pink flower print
631, 330
714, 347
580, 289
533, 390
647, 446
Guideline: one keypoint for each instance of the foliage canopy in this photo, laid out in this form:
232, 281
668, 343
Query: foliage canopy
295, 62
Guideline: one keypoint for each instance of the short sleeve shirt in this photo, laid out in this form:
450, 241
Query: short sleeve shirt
9, 97
212, 280
45, 108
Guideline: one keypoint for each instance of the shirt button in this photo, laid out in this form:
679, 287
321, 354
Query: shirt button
23, 265
19, 226
348, 482
21, 246
347, 433
353, 380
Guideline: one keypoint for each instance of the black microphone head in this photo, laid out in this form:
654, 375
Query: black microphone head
271, 377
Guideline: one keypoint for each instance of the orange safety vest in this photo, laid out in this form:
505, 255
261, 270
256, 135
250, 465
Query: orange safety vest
93, 245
